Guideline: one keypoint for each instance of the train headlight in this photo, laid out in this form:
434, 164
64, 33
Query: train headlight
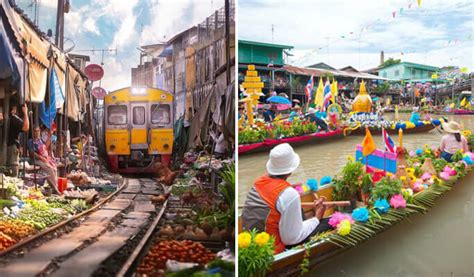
166, 146
139, 91
112, 148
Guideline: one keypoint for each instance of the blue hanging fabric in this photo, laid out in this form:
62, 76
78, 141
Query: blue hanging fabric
48, 113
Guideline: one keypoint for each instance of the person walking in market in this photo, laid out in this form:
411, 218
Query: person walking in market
16, 126
274, 206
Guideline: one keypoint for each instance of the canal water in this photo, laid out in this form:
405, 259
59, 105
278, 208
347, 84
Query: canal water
440, 243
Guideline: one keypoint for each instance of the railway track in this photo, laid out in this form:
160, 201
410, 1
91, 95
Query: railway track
108, 240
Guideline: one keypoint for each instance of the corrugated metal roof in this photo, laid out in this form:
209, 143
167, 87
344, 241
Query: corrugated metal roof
265, 44
319, 72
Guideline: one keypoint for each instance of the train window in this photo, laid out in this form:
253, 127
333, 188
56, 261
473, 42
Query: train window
160, 114
117, 115
139, 115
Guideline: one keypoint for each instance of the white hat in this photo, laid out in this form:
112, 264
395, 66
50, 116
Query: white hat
311, 110
283, 160
451, 127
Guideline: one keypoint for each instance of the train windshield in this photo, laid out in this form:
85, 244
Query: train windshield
117, 115
160, 114
138, 115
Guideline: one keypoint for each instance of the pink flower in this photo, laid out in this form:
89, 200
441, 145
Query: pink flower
444, 175
397, 201
426, 176
417, 186
337, 217
434, 148
299, 189
412, 153
449, 171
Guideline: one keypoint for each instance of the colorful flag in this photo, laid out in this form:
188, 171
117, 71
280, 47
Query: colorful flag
319, 98
334, 90
327, 95
368, 144
309, 88
389, 145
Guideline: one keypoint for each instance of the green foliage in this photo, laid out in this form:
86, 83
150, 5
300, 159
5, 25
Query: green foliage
366, 185
457, 156
439, 164
304, 266
383, 88
252, 136
227, 190
347, 185
255, 260
389, 62
385, 188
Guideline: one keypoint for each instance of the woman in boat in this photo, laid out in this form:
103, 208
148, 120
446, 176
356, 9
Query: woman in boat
415, 116
453, 141
295, 113
274, 206
317, 117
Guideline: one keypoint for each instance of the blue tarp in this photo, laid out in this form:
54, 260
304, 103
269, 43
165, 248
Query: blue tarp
8, 66
48, 113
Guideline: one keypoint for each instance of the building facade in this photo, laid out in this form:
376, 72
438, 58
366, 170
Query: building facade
408, 71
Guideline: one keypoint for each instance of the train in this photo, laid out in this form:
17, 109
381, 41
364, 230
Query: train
138, 129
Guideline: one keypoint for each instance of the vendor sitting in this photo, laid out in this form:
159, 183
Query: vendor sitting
317, 117
38, 148
415, 116
453, 141
274, 206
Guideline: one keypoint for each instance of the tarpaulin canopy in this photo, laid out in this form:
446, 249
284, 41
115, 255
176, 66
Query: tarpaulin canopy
48, 113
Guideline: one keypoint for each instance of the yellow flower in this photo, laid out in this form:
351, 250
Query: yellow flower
262, 238
412, 178
403, 178
244, 240
344, 227
466, 133
350, 158
410, 171
427, 151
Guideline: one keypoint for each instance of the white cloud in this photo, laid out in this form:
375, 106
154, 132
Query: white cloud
420, 33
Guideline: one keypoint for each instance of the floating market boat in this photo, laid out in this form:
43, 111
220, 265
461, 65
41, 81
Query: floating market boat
456, 112
377, 131
330, 244
268, 144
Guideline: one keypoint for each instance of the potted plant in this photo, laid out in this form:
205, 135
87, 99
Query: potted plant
385, 188
348, 184
366, 188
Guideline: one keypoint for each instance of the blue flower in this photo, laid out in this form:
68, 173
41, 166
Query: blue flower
382, 205
419, 152
312, 184
325, 180
360, 214
467, 159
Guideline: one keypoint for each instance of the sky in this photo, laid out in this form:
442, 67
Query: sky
123, 25
346, 32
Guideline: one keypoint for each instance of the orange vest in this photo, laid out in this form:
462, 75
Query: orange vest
270, 189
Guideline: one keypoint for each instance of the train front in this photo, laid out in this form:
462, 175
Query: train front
138, 129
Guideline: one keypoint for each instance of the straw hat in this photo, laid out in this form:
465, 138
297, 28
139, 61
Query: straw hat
283, 160
451, 127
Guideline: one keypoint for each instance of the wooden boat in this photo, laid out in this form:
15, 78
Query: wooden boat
455, 112
268, 144
377, 131
288, 263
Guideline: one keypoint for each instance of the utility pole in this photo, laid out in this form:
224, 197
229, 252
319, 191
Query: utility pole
227, 40
59, 36
273, 30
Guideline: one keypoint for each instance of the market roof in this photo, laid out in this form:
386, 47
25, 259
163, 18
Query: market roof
322, 66
349, 68
265, 44
318, 72
414, 65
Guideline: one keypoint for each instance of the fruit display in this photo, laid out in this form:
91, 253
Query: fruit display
5, 241
182, 251
16, 229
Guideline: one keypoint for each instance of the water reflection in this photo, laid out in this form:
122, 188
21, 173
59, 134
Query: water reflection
440, 243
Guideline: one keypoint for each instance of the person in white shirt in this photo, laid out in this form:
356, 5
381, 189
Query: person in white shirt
274, 206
